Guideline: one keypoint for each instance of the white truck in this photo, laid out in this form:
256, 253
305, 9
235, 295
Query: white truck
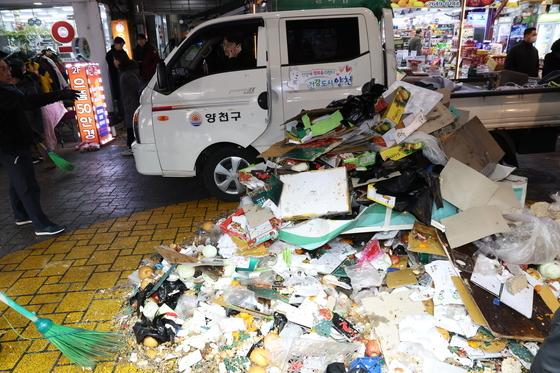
201, 116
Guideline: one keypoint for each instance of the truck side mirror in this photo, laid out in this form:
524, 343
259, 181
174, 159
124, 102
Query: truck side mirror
162, 76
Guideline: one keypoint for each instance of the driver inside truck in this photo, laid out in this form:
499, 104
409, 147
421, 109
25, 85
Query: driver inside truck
234, 55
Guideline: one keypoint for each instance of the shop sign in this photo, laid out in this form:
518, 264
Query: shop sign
63, 32
439, 3
119, 27
320, 78
91, 109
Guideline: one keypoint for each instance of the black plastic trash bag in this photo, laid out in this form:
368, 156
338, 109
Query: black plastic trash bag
168, 293
162, 329
356, 109
415, 190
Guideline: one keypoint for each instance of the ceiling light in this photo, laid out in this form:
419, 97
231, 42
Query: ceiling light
37, 3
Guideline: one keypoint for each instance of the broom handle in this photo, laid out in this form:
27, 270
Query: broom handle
16, 307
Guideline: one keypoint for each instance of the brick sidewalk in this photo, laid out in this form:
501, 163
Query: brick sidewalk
76, 279
103, 185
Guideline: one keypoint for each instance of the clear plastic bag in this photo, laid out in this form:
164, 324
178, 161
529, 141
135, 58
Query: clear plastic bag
242, 297
186, 305
533, 241
363, 277
431, 149
314, 355
554, 208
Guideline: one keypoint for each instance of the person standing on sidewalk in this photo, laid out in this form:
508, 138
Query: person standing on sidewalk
16, 139
118, 45
131, 89
146, 56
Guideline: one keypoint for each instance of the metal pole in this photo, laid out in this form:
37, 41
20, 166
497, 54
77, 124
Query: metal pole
460, 44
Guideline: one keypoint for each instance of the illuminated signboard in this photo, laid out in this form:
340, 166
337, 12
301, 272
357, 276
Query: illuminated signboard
119, 27
91, 109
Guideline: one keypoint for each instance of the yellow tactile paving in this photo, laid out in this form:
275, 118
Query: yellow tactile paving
71, 279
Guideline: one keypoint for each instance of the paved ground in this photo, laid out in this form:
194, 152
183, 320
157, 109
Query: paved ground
103, 185
79, 279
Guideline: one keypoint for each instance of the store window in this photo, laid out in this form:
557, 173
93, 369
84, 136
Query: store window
29, 30
322, 40
205, 53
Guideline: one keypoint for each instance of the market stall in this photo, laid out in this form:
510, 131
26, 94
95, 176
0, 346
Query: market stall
458, 42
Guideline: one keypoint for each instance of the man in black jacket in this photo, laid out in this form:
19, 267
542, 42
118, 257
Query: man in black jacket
16, 138
524, 57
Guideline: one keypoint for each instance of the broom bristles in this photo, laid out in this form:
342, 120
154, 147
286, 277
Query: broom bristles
84, 347
60, 162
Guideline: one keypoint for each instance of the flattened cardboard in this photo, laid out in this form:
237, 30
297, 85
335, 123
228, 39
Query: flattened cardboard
173, 256
504, 199
548, 297
437, 119
474, 224
446, 99
501, 172
464, 187
470, 304
473, 145
315, 193
400, 278
277, 150
424, 239
389, 310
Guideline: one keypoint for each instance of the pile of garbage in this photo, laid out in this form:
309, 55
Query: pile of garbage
381, 235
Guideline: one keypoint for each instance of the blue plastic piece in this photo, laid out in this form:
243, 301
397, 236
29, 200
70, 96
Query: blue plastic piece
369, 364
43, 325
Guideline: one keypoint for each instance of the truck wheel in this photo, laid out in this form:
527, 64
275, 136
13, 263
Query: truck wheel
219, 172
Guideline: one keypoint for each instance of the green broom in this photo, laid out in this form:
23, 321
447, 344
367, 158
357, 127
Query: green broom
81, 346
58, 161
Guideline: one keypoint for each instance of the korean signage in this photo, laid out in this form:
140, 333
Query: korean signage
91, 110
320, 78
439, 3
196, 118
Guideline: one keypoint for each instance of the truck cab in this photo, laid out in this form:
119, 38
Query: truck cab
221, 97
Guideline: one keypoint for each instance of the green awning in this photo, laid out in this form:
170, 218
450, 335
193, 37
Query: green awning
375, 5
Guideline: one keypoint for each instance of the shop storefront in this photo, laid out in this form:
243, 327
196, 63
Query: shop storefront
78, 33
458, 41
29, 30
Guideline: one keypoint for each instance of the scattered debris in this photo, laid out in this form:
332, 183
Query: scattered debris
354, 250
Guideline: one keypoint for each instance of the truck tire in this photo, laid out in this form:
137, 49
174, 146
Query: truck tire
219, 172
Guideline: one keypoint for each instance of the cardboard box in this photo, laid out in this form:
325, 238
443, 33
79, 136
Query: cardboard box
473, 145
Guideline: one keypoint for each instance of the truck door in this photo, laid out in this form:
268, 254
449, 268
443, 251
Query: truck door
218, 94
324, 59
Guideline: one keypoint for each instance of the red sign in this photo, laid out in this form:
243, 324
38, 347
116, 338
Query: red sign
63, 32
91, 110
